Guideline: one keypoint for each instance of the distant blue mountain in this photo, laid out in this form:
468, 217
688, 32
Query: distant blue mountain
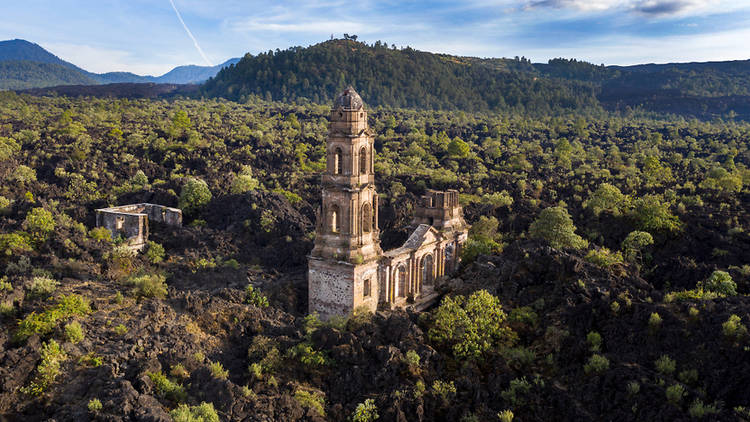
24, 64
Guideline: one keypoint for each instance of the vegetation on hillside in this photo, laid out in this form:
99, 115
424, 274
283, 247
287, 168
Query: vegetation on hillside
609, 276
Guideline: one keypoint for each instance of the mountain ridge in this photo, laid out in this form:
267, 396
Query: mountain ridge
19, 54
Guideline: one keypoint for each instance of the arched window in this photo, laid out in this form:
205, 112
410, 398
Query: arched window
337, 161
335, 224
401, 283
366, 218
363, 161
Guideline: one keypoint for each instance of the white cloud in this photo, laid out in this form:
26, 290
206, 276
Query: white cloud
101, 60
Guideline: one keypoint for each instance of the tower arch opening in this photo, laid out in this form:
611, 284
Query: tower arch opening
366, 218
337, 161
335, 219
363, 160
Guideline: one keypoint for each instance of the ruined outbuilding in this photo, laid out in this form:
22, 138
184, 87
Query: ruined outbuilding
131, 221
347, 268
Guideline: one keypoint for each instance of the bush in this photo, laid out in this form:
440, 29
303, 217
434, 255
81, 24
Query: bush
556, 227
52, 358
634, 244
311, 400
43, 286
149, 285
608, 198
506, 415
39, 222
733, 328
473, 248
603, 257
154, 252
654, 321
652, 214
15, 243
675, 393
256, 298
471, 327
516, 391
194, 196
444, 390
74, 332
166, 388
594, 340
698, 409
4, 205
218, 371
45, 322
365, 412
101, 234
94, 405
721, 282
596, 364
309, 357
24, 174
139, 179
204, 412
411, 359
243, 183
665, 365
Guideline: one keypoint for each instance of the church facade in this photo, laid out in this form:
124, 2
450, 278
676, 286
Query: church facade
347, 269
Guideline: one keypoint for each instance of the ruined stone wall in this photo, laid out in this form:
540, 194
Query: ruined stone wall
131, 221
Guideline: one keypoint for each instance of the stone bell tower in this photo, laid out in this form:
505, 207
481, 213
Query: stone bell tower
343, 265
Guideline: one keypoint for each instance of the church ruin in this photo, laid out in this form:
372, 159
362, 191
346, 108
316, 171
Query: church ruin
347, 268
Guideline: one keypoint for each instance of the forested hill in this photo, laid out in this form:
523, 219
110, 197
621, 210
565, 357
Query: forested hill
410, 78
398, 78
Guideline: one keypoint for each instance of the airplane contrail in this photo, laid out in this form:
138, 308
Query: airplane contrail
190, 34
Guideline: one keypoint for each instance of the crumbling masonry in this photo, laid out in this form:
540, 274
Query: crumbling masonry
131, 221
346, 268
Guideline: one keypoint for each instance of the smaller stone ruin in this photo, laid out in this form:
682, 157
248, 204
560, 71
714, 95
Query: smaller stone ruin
131, 221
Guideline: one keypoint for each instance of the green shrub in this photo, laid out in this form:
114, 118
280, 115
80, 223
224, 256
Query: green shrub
471, 326
121, 330
74, 332
94, 405
654, 321
5, 285
366, 411
40, 223
665, 365
594, 340
43, 286
139, 179
45, 322
4, 205
154, 252
204, 412
634, 243
608, 198
194, 196
52, 358
698, 409
23, 174
516, 391
411, 359
675, 393
243, 183
178, 371
603, 257
444, 390
256, 298
166, 388
652, 214
556, 227
596, 364
15, 243
473, 248
101, 234
633, 388
313, 400
721, 282
309, 357
733, 327
218, 371
149, 285
506, 415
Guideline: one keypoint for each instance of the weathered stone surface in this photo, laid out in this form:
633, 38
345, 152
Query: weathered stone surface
347, 268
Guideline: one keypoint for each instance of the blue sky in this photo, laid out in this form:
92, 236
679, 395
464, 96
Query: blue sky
146, 36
